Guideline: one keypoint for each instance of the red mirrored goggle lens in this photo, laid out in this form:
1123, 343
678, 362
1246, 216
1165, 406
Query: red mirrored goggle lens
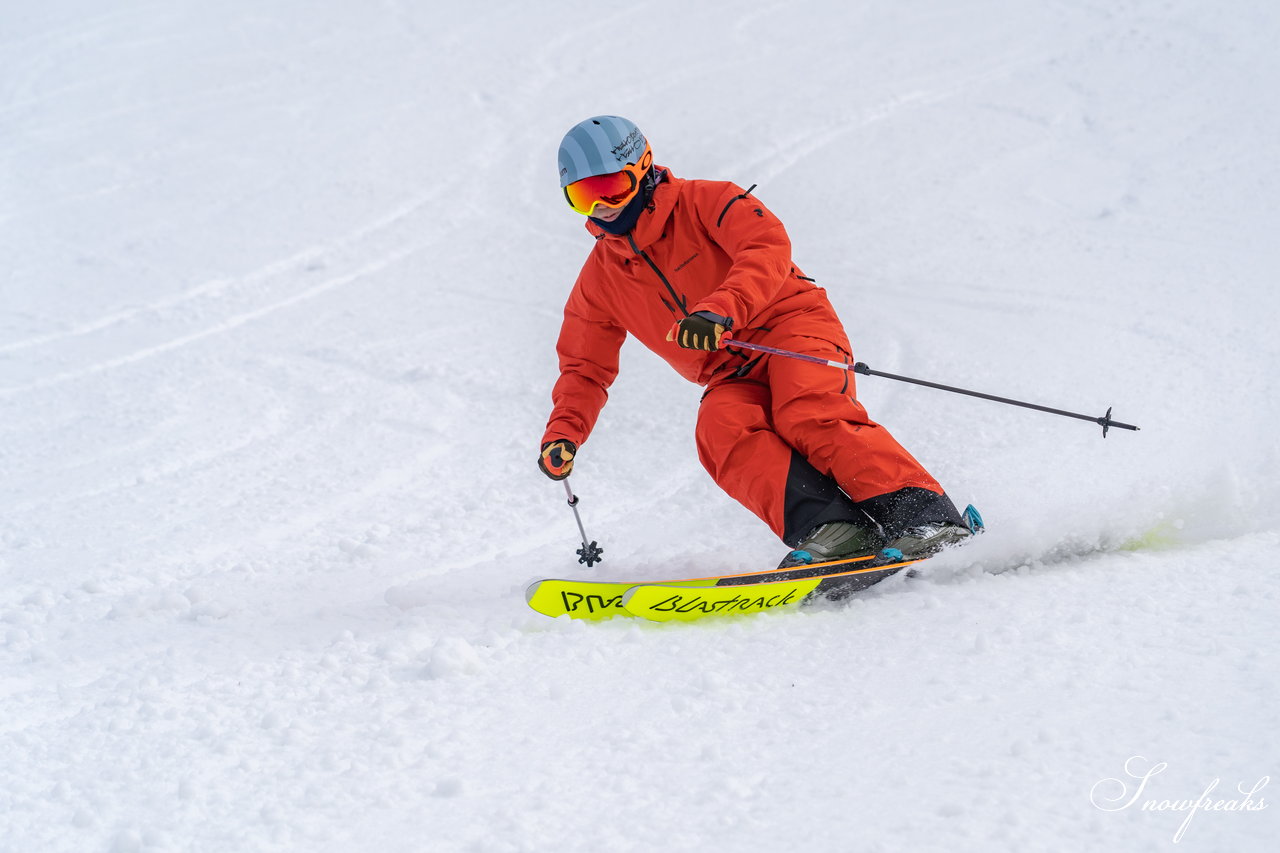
614, 189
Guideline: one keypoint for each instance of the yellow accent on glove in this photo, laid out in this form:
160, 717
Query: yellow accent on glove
694, 332
556, 460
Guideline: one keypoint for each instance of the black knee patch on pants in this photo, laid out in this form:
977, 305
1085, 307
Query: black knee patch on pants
812, 499
899, 511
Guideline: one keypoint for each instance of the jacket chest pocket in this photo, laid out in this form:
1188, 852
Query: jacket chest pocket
698, 270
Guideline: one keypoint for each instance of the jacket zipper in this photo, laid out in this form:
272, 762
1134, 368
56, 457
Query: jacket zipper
684, 307
732, 201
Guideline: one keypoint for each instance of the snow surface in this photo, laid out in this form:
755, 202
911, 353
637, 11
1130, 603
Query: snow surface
280, 285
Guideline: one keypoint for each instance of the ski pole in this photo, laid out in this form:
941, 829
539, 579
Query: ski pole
860, 367
589, 553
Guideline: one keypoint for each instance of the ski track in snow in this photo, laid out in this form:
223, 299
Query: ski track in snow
222, 327
309, 258
277, 323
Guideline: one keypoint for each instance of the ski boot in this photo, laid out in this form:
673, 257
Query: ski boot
926, 540
835, 540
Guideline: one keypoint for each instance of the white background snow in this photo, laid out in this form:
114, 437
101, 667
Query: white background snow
279, 289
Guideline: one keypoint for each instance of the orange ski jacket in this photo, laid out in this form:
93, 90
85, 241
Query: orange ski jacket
702, 246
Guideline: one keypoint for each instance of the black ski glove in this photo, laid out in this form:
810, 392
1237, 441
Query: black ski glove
700, 330
556, 460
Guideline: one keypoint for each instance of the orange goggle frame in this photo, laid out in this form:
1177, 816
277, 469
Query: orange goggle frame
612, 190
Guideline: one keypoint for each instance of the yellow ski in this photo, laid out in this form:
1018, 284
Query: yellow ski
670, 602
593, 600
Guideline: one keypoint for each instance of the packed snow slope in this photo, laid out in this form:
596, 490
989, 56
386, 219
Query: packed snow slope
279, 288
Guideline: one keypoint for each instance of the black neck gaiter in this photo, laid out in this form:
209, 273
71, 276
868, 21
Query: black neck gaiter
631, 213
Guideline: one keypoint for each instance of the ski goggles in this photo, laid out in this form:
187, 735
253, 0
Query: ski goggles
612, 190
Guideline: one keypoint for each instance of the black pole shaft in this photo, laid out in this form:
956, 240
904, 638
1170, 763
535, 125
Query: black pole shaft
1105, 421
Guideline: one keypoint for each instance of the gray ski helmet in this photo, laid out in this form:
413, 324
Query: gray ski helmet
599, 145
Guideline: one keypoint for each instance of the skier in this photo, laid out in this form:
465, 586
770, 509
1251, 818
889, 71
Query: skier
687, 267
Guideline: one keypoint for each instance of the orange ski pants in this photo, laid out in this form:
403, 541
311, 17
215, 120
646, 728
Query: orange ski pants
751, 429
